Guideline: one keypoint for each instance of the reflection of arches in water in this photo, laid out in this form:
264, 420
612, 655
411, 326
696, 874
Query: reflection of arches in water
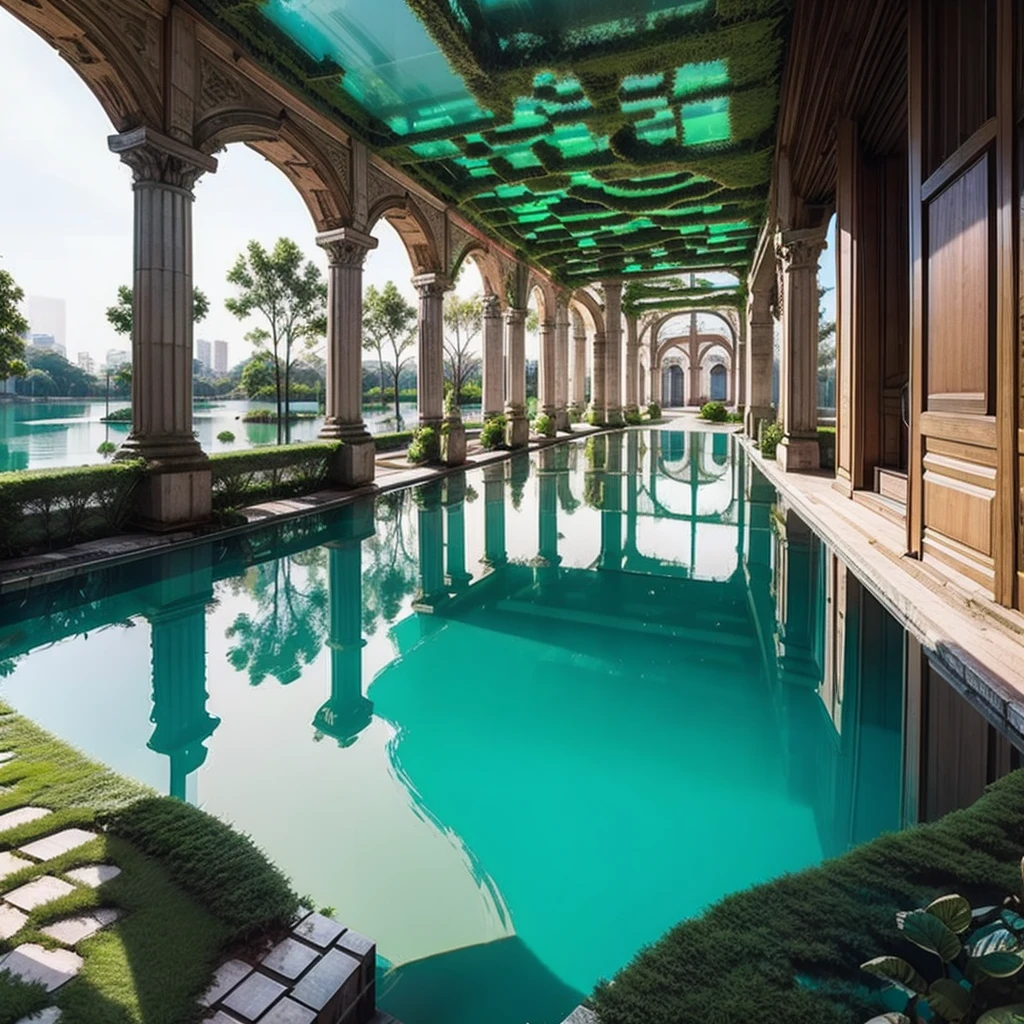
673, 386
720, 448
718, 383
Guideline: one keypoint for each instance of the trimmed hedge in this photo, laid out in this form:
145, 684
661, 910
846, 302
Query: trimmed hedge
392, 442
790, 951
221, 869
284, 471
42, 509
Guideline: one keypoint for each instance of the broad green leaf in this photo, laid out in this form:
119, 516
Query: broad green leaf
1004, 1015
928, 932
1012, 920
953, 911
948, 999
890, 1018
981, 912
896, 970
999, 965
993, 939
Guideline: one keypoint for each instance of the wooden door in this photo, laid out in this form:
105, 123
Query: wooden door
963, 377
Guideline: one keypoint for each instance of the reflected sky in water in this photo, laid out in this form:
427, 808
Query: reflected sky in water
513, 724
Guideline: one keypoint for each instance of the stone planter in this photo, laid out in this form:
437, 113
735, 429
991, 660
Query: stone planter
453, 441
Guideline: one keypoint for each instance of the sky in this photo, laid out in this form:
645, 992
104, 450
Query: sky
66, 208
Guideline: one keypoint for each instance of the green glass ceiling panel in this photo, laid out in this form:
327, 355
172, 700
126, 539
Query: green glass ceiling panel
532, 17
706, 121
691, 78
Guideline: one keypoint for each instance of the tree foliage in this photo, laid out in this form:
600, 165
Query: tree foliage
12, 326
120, 314
290, 295
389, 330
463, 322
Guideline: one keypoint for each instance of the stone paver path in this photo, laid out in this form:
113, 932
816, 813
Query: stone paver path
21, 816
254, 996
227, 977
37, 892
57, 844
11, 862
94, 875
51, 968
71, 930
11, 921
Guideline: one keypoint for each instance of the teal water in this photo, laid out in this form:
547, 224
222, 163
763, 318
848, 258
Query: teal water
514, 724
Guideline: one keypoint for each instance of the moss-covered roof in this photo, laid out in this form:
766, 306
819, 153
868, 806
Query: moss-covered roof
611, 138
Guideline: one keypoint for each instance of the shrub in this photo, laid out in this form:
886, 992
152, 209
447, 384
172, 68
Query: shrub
771, 437
425, 446
735, 416
633, 417
225, 437
392, 442
592, 417
218, 867
713, 412
48, 508
270, 416
544, 425
492, 435
106, 448
118, 416
654, 410
243, 478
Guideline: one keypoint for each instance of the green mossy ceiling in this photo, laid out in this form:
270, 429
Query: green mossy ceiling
597, 138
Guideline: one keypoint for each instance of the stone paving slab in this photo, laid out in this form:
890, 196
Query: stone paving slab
319, 930
59, 843
51, 968
10, 862
37, 892
51, 1015
22, 816
11, 921
6, 755
94, 875
254, 996
288, 1012
289, 958
228, 975
326, 980
356, 945
72, 930
581, 1015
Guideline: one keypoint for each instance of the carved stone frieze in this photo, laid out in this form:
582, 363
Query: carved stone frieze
217, 87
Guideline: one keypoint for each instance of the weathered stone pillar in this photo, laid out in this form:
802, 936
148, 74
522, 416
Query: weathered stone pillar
493, 358
760, 359
798, 253
430, 352
495, 554
561, 362
454, 502
694, 375
347, 712
579, 365
632, 366
515, 398
612, 291
796, 593
177, 489
346, 251
546, 369
598, 353
656, 372
739, 370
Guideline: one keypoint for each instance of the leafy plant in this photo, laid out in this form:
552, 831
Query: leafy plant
734, 417
225, 437
425, 445
492, 435
979, 952
654, 410
106, 448
12, 328
592, 418
771, 437
544, 425
123, 415
633, 417
245, 477
713, 412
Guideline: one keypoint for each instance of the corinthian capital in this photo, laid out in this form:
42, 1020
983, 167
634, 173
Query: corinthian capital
159, 159
431, 285
346, 247
492, 305
798, 250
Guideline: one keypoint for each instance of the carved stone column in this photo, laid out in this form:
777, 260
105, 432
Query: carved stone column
515, 399
612, 291
632, 365
493, 358
177, 489
598, 354
655, 382
694, 369
346, 252
798, 253
579, 365
760, 360
430, 352
561, 363
739, 370
546, 369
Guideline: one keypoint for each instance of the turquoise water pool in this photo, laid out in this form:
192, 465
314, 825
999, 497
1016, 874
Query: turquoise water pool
513, 724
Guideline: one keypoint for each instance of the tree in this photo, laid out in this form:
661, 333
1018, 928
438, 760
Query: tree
291, 295
122, 377
826, 337
258, 377
120, 315
463, 321
389, 323
12, 326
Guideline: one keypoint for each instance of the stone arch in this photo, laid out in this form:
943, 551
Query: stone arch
709, 342
546, 293
590, 309
486, 262
284, 145
404, 214
655, 325
704, 341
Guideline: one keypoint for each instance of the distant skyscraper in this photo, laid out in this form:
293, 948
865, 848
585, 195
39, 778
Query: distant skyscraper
117, 357
49, 316
46, 342
86, 362
203, 350
220, 356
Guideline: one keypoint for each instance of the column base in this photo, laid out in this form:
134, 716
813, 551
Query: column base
453, 442
753, 416
354, 464
613, 416
174, 496
631, 413
796, 454
517, 433
562, 420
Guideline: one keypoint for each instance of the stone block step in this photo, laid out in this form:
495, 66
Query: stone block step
37, 892
59, 843
228, 975
50, 968
250, 1000
93, 875
71, 930
21, 816
51, 1015
11, 921
11, 862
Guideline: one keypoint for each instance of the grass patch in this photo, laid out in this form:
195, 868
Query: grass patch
743, 959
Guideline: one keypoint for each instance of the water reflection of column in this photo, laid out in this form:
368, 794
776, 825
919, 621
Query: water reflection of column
695, 442
794, 592
563, 454
495, 554
347, 712
547, 516
632, 488
655, 457
431, 542
611, 510
454, 501
178, 640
